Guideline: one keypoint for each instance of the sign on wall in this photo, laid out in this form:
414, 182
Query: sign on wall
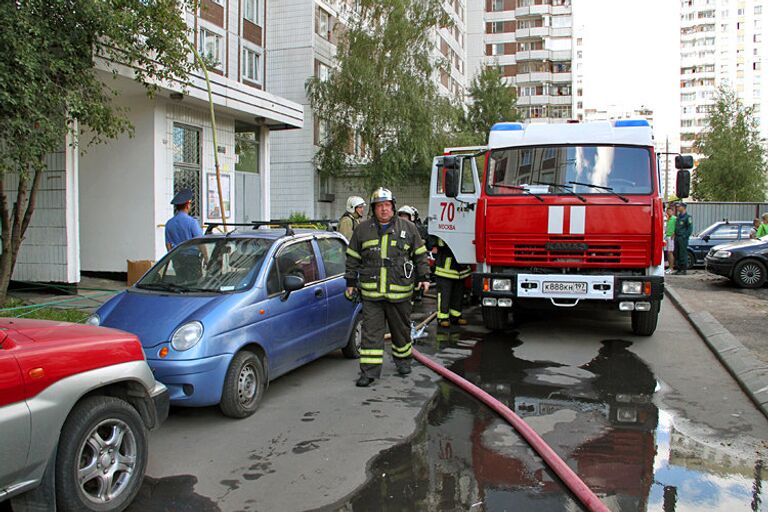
214, 211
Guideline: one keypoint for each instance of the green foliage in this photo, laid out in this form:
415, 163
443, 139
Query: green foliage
298, 217
382, 93
733, 167
493, 101
47, 74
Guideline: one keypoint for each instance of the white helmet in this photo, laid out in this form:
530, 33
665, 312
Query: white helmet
408, 210
353, 202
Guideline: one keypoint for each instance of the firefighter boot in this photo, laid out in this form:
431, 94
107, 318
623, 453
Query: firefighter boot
364, 381
404, 368
445, 323
460, 321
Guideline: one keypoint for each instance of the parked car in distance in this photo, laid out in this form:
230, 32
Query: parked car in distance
222, 315
76, 403
744, 262
718, 233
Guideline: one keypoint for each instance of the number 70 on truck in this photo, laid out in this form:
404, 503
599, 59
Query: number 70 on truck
558, 216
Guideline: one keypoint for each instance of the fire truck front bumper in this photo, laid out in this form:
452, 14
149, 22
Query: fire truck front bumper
619, 292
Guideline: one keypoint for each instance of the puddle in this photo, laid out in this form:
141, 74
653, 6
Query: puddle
600, 417
172, 494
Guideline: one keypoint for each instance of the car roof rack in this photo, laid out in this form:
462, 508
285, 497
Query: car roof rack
289, 225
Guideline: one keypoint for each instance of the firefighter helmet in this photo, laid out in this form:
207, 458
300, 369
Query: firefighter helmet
353, 202
382, 194
410, 211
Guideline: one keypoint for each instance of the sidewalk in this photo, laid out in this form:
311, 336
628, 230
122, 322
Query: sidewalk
732, 321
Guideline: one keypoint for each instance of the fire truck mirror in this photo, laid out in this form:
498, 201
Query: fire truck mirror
452, 180
683, 185
683, 162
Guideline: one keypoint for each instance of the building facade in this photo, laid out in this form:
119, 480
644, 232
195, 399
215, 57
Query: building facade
531, 41
721, 44
109, 204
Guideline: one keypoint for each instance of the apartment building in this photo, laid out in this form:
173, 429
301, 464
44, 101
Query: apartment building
302, 43
100, 208
722, 42
531, 41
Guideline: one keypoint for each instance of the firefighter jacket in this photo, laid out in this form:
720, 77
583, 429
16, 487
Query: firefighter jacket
445, 263
386, 263
347, 224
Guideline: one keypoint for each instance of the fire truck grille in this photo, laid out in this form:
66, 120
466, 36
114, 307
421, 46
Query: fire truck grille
567, 252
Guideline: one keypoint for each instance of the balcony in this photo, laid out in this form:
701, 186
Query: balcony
535, 55
561, 55
536, 77
535, 32
533, 100
561, 32
562, 77
532, 11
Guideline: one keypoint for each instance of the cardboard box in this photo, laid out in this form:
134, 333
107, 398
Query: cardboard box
137, 268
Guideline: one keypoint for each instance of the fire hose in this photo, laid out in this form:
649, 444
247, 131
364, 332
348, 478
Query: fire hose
571, 480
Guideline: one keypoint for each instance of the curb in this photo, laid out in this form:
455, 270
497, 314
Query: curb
749, 372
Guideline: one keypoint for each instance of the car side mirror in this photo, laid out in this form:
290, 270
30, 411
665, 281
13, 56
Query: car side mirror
451, 166
705, 238
683, 162
291, 284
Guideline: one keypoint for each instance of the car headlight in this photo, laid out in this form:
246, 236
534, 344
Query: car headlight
632, 287
722, 254
187, 336
501, 285
93, 319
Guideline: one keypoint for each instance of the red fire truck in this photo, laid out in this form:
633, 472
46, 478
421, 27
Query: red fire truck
563, 215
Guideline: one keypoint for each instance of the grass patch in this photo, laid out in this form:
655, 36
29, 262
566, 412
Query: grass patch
42, 313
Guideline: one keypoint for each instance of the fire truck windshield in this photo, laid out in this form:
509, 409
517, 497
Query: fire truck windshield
585, 169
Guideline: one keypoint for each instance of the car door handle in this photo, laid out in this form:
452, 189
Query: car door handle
318, 293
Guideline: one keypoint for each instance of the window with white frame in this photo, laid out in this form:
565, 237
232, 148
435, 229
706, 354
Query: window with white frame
323, 25
323, 71
251, 10
251, 65
211, 47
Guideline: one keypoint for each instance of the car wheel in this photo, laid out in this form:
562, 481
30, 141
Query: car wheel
495, 318
243, 386
101, 457
352, 349
691, 259
749, 274
644, 322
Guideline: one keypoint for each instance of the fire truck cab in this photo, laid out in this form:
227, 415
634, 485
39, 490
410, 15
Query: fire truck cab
556, 215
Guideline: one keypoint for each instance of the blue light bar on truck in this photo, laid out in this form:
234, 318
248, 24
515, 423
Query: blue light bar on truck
626, 123
507, 127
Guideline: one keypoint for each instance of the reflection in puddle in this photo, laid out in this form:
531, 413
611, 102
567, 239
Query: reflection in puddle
599, 417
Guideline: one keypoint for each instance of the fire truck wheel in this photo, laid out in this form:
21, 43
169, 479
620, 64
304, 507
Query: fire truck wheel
644, 322
495, 318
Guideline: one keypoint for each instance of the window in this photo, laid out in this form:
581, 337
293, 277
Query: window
297, 259
247, 151
497, 27
758, 9
467, 178
251, 10
333, 252
498, 5
211, 47
187, 164
323, 24
251, 65
725, 232
322, 71
497, 49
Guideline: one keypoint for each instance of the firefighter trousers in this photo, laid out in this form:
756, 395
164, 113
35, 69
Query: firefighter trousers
376, 316
450, 293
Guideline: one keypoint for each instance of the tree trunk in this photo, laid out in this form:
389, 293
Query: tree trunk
14, 223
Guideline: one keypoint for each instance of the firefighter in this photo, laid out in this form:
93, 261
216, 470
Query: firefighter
385, 258
683, 230
351, 218
449, 277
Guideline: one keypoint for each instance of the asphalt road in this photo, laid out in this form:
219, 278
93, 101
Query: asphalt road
651, 424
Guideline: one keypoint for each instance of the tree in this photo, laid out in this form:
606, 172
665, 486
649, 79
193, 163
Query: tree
492, 101
382, 114
733, 163
49, 86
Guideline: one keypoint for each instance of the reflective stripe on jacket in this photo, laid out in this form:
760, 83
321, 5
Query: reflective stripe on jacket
385, 264
445, 263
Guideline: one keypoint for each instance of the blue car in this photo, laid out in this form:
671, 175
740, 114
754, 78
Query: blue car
222, 315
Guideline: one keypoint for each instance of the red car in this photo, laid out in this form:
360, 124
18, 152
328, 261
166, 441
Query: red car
76, 403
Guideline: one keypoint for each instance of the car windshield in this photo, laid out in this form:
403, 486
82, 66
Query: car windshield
587, 169
208, 265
